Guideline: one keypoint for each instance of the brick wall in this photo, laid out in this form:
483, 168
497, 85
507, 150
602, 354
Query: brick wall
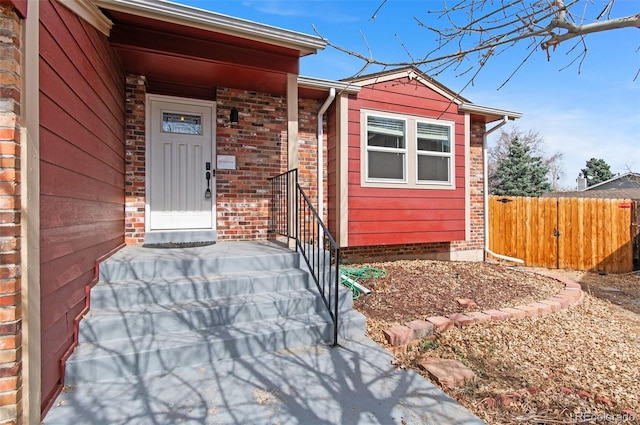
10, 308
135, 159
308, 150
476, 193
259, 143
364, 254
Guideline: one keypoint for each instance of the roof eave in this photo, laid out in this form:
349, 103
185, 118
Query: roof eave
488, 111
203, 19
326, 85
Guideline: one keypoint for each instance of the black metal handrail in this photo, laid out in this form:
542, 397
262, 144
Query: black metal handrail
299, 220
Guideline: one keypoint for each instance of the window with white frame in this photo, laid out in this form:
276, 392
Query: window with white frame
386, 149
433, 153
409, 150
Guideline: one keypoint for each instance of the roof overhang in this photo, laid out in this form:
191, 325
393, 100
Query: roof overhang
190, 52
210, 21
487, 113
317, 88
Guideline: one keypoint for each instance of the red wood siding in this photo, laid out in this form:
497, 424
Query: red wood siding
383, 216
82, 174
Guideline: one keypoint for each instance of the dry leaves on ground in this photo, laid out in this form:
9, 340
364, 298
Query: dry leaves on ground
571, 366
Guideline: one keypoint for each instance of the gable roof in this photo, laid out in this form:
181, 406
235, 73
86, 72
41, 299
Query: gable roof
412, 73
624, 181
487, 113
633, 194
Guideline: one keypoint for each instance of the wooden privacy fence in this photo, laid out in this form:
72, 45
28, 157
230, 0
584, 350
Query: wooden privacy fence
566, 233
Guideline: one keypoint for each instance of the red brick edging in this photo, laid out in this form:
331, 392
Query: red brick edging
570, 296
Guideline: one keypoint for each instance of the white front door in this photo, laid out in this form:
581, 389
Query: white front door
179, 160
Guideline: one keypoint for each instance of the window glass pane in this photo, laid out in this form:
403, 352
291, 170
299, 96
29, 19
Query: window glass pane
181, 123
385, 132
386, 165
434, 138
385, 141
433, 168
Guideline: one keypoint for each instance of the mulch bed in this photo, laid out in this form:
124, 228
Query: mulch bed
575, 366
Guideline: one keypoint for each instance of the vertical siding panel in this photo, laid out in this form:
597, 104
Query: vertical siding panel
528, 224
521, 246
601, 232
493, 220
612, 219
567, 236
513, 228
590, 236
562, 229
550, 246
575, 233
626, 238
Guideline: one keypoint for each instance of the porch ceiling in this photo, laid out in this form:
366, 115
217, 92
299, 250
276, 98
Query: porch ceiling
178, 59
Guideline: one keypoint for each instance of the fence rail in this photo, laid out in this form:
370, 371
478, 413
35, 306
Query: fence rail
566, 233
292, 215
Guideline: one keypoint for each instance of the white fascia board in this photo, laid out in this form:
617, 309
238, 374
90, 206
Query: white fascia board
203, 19
413, 74
486, 110
88, 11
321, 84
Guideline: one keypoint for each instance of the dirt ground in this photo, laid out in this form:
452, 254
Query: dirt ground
576, 366
619, 289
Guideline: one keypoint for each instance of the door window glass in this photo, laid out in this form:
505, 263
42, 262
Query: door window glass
181, 123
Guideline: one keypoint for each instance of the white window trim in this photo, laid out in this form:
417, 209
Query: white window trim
403, 151
411, 153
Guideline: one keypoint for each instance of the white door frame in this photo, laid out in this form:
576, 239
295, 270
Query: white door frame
148, 131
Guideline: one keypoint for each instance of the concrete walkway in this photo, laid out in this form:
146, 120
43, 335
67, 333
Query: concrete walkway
352, 384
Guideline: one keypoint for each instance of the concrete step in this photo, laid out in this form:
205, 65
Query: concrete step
196, 315
155, 310
123, 294
141, 355
189, 263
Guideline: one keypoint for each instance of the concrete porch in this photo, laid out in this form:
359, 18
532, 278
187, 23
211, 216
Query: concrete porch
231, 333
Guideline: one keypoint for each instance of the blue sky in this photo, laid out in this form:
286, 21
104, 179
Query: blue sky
591, 112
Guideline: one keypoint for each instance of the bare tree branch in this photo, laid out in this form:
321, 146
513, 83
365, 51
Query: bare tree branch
476, 30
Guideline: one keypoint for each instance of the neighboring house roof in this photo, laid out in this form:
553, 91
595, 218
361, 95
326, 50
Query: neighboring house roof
487, 113
206, 20
633, 193
625, 181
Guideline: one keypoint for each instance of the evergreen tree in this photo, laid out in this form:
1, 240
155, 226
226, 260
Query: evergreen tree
597, 171
520, 173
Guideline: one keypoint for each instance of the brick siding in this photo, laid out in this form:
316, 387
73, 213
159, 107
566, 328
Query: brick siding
259, 143
363, 254
10, 229
476, 192
136, 89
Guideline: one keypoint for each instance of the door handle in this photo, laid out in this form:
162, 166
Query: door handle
207, 193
